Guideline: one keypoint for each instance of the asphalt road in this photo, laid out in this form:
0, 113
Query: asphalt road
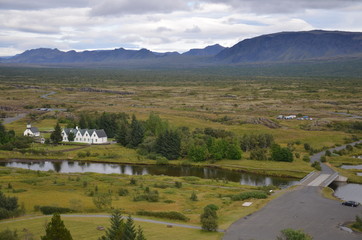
303, 208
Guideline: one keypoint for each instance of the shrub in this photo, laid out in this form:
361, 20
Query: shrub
178, 184
169, 215
358, 223
247, 195
48, 210
193, 196
291, 234
317, 165
122, 192
306, 158
323, 159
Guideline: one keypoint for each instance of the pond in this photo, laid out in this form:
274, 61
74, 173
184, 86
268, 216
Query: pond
167, 170
347, 191
351, 166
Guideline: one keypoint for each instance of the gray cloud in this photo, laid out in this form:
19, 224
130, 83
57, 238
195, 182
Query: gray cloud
121, 7
284, 6
194, 29
43, 4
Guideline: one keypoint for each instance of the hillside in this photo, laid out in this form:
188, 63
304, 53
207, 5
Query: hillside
294, 46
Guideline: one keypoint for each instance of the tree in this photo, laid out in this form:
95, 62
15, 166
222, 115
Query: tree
209, 217
198, 153
168, 144
56, 135
122, 134
307, 146
291, 234
102, 200
155, 125
56, 230
140, 235
71, 137
137, 133
281, 154
233, 152
9, 235
258, 154
115, 232
129, 229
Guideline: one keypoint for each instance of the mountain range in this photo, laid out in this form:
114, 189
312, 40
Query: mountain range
278, 47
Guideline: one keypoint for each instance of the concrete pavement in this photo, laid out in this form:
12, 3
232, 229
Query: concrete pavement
303, 208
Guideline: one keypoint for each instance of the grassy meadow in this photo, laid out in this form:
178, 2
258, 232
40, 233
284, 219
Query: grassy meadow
240, 104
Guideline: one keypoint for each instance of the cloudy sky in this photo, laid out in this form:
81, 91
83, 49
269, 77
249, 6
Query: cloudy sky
162, 25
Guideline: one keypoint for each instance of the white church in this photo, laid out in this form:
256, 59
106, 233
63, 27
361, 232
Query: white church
90, 136
31, 131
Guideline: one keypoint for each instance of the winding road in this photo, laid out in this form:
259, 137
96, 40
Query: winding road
300, 208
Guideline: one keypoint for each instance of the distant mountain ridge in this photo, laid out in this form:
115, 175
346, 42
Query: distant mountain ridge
270, 48
294, 46
208, 51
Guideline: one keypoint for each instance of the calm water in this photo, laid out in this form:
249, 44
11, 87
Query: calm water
351, 166
347, 191
177, 171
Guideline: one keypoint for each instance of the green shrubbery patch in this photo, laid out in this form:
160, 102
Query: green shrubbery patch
169, 215
48, 210
247, 195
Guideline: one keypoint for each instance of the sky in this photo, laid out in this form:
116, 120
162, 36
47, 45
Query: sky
162, 25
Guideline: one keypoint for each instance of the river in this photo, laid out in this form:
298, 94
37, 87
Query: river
166, 170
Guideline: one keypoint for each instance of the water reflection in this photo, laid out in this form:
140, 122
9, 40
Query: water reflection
347, 191
177, 171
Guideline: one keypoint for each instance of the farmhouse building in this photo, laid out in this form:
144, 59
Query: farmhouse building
90, 136
31, 131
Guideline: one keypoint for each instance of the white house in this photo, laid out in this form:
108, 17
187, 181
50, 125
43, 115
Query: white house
91, 136
31, 131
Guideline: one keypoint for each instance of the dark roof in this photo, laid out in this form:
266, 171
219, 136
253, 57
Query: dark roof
34, 129
101, 133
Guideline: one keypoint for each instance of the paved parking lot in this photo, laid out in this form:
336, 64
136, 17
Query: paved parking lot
303, 208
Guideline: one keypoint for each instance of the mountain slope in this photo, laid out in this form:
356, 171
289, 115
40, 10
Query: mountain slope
294, 46
46, 55
208, 51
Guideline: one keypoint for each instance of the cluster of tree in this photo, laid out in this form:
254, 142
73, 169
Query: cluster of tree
120, 230
256, 141
215, 149
8, 140
156, 140
9, 206
281, 154
209, 217
110, 122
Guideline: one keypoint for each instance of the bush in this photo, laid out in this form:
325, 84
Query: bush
306, 158
247, 195
358, 223
122, 192
169, 215
291, 234
193, 196
178, 184
48, 210
317, 165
